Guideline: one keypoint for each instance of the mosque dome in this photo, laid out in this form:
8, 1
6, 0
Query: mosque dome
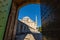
26, 17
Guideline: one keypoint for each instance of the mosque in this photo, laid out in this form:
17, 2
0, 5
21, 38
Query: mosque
31, 24
27, 30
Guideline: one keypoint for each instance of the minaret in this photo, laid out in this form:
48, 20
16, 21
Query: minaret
36, 21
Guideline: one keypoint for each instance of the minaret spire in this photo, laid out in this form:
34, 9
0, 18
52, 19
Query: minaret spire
36, 20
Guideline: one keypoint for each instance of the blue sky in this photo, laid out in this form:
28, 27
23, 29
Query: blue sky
31, 10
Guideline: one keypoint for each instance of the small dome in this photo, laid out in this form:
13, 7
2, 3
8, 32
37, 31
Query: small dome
26, 17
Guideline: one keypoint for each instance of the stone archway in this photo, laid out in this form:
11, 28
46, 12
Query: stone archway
12, 21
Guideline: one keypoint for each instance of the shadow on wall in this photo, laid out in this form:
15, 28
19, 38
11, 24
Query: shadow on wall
52, 30
23, 33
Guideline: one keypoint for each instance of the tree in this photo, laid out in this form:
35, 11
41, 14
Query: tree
40, 29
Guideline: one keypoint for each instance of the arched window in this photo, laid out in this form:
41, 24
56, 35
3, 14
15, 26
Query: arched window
12, 24
30, 17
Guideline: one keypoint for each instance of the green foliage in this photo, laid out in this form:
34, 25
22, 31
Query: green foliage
40, 29
4, 11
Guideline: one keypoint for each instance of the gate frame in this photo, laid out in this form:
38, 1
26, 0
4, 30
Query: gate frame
12, 19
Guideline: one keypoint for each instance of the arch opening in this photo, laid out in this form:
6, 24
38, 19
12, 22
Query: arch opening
29, 21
